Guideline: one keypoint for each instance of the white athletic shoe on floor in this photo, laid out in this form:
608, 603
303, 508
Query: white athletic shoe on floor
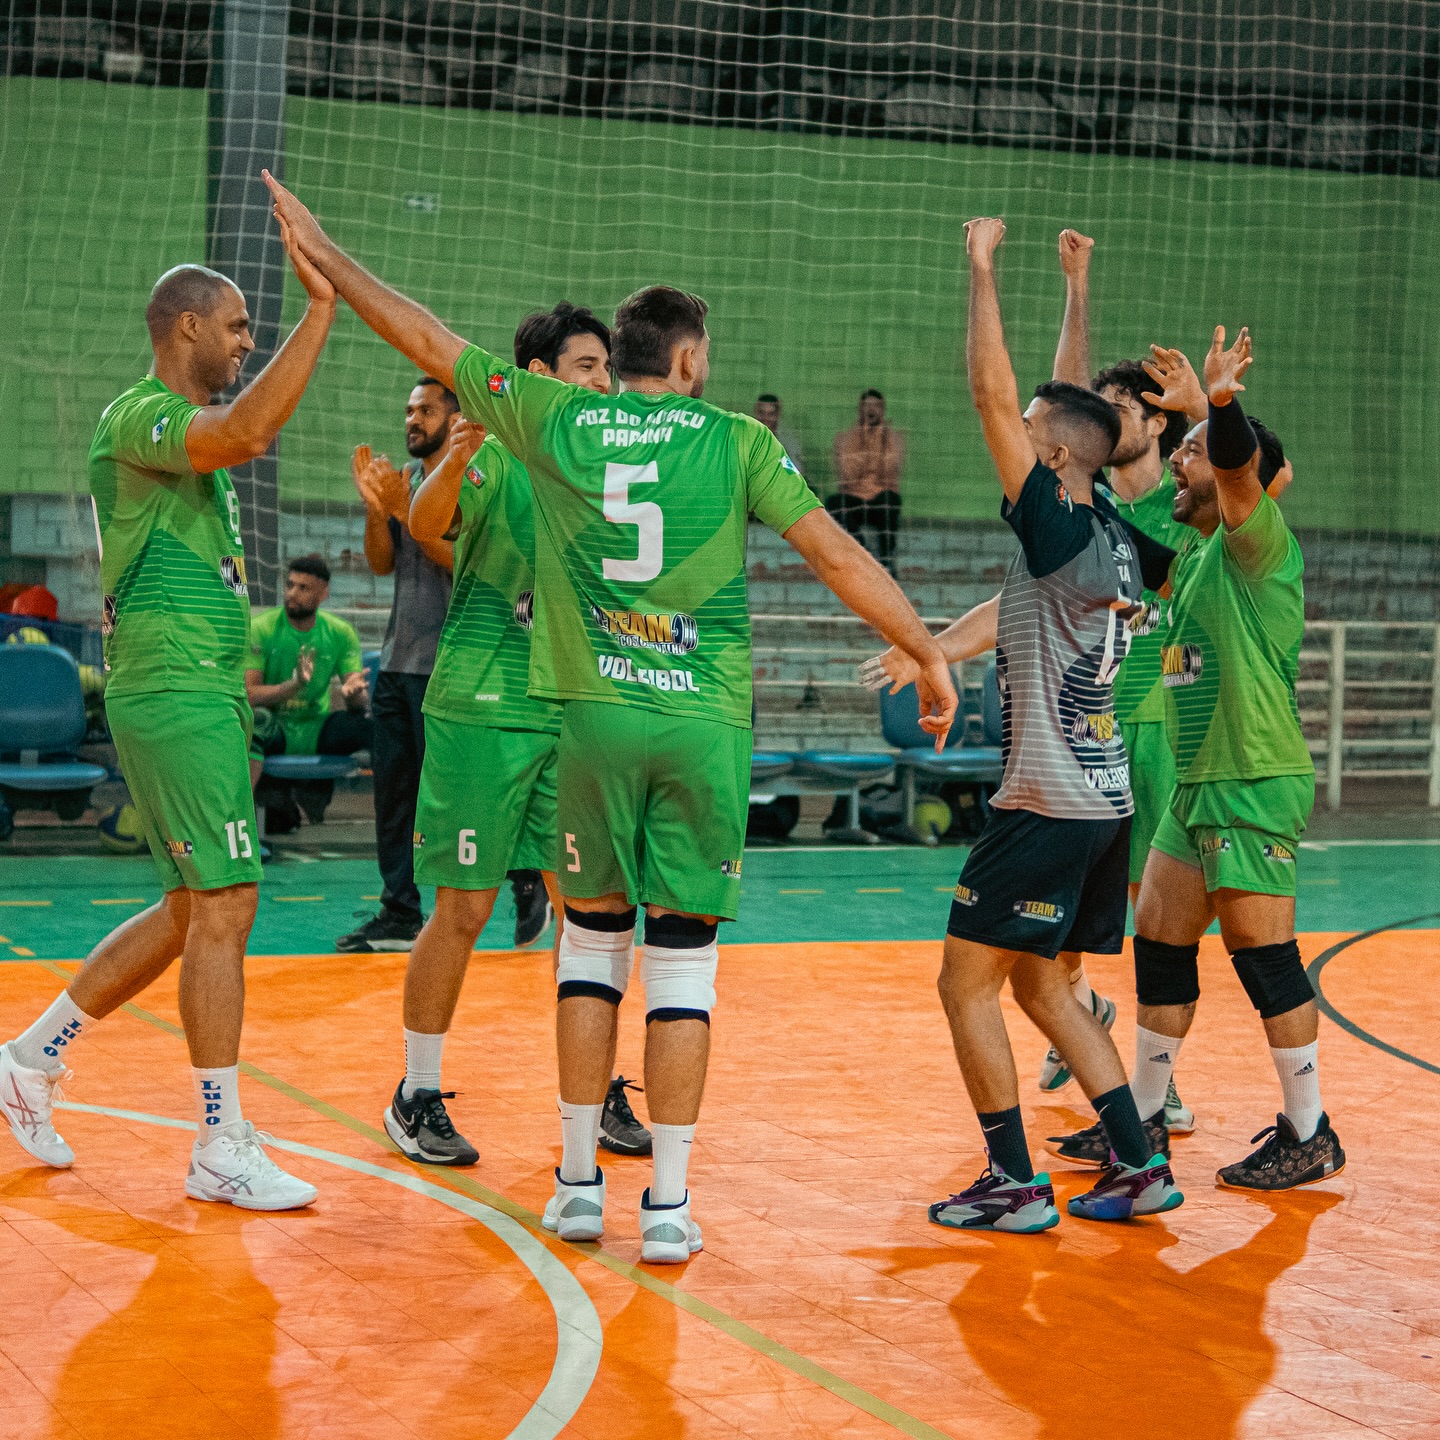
231, 1167
577, 1212
668, 1236
1179, 1117
1054, 1072
27, 1100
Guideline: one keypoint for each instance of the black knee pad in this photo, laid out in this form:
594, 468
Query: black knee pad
594, 989
1166, 974
679, 932
1274, 978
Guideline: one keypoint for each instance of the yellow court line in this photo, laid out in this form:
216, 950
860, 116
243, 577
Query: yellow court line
802, 892
128, 900
21, 950
369, 897
25, 904
738, 1330
885, 890
293, 899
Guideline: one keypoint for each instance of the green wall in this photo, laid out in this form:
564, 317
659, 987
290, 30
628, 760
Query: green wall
830, 265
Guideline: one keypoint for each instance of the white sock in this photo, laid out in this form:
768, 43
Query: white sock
1080, 989
422, 1062
672, 1160
1299, 1072
1155, 1057
580, 1132
45, 1045
217, 1099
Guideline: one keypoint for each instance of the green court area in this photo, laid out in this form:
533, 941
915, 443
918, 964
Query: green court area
57, 907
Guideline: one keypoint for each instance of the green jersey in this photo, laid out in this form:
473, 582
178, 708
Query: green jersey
275, 646
482, 669
1139, 695
641, 504
171, 562
1232, 655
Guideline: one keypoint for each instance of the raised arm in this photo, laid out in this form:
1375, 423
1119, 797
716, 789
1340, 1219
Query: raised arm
1230, 442
435, 506
396, 319
850, 572
1178, 386
992, 380
1072, 357
963, 639
245, 428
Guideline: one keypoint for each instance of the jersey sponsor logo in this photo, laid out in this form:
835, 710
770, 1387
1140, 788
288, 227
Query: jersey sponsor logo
1181, 664
732, 867
481, 695
964, 895
475, 475
624, 669
786, 463
417, 840
1280, 853
180, 848
157, 432
1108, 777
497, 384
1093, 729
670, 634
1045, 910
232, 572
1063, 496
1214, 845
525, 609
107, 616
613, 418
1144, 621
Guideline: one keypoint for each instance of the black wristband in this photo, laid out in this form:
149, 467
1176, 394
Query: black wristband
1229, 440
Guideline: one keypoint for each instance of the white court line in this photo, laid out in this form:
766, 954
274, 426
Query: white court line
579, 1337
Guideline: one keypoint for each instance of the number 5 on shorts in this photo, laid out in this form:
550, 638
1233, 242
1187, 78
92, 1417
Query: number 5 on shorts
571, 850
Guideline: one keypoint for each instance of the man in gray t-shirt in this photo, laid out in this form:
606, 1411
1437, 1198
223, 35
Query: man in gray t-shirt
417, 614
1048, 876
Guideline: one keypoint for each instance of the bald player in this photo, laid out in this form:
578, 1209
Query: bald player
177, 613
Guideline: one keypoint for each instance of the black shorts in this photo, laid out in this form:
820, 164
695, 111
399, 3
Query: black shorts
1041, 886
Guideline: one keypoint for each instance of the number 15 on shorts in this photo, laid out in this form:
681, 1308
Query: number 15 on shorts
237, 833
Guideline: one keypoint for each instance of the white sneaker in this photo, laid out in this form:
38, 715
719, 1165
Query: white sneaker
27, 1098
668, 1236
577, 1212
231, 1167
1179, 1117
1054, 1072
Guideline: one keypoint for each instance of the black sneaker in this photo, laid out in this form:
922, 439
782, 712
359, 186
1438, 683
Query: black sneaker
532, 907
421, 1127
383, 933
1091, 1146
1284, 1160
620, 1132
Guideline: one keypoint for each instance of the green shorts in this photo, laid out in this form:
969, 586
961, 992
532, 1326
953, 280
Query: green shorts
1152, 780
1244, 834
652, 807
185, 755
486, 804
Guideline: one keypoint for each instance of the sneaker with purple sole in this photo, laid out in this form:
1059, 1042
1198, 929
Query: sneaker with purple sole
996, 1202
1125, 1191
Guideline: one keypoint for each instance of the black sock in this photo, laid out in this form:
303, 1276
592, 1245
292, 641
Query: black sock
1005, 1140
1117, 1112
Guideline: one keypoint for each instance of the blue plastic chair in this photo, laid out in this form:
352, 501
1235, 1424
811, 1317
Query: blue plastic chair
900, 724
42, 720
370, 662
843, 772
769, 765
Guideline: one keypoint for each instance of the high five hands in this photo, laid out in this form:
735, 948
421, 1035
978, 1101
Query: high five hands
1224, 368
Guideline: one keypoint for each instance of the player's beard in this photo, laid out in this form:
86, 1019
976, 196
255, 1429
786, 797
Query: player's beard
423, 448
1138, 450
301, 612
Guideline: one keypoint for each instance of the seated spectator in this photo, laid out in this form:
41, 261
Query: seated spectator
295, 650
868, 460
767, 412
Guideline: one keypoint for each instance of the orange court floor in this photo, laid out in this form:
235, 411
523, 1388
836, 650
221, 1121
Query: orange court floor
410, 1303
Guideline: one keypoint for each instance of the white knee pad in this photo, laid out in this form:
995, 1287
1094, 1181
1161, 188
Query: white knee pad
595, 962
680, 981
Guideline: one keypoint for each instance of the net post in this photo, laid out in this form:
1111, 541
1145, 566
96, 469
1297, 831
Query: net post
247, 112
1335, 759
1435, 722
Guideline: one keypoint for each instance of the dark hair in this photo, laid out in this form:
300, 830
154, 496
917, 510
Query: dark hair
310, 565
872, 395
1083, 406
193, 288
544, 334
442, 387
767, 399
1129, 378
1272, 452
648, 326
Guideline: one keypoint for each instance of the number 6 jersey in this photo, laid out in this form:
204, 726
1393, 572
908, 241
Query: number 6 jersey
641, 504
